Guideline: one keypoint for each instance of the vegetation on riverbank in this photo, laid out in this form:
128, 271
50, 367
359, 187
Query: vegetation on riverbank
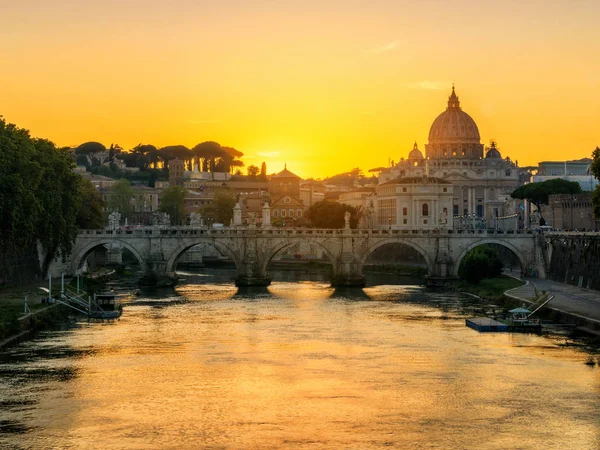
12, 299
489, 288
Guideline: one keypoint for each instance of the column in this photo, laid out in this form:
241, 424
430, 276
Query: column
485, 211
469, 200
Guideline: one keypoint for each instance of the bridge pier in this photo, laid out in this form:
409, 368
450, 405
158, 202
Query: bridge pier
347, 273
155, 273
250, 274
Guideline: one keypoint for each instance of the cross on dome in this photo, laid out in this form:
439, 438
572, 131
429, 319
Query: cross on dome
453, 102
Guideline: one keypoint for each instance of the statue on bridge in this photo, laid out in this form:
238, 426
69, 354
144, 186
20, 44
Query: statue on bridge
114, 220
196, 220
161, 219
347, 220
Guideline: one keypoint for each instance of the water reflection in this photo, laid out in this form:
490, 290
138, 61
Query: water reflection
296, 365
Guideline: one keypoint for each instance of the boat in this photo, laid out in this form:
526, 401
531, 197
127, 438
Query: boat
105, 306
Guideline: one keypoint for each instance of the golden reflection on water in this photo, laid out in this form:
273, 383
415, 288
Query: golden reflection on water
301, 365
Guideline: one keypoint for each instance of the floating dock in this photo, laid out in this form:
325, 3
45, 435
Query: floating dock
486, 324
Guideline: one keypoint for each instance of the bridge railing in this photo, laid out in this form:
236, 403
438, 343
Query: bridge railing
145, 231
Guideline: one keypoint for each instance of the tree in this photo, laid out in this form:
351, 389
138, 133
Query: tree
263, 171
326, 214
208, 152
90, 147
537, 193
120, 198
595, 170
170, 152
91, 212
221, 210
253, 171
481, 262
172, 202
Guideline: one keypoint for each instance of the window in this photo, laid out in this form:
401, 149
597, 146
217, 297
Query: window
403, 189
445, 189
275, 213
291, 213
287, 200
425, 209
405, 221
507, 173
405, 211
283, 213
455, 210
299, 213
424, 221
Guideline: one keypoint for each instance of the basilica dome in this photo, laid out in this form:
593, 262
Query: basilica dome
415, 153
493, 152
454, 125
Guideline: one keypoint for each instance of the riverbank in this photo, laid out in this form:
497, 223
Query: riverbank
16, 324
491, 289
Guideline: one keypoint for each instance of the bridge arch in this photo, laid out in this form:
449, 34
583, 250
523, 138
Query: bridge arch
279, 246
428, 258
221, 248
79, 256
486, 241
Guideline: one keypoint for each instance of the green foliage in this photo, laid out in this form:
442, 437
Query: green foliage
40, 196
90, 147
481, 262
120, 198
91, 213
326, 214
352, 178
596, 201
490, 288
595, 170
221, 209
253, 171
595, 166
172, 202
537, 193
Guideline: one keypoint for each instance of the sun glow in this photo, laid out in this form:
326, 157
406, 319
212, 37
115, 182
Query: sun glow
323, 87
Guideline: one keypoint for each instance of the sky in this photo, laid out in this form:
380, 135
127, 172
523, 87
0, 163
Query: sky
322, 85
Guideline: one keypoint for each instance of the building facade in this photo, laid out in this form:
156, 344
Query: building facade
570, 212
574, 170
414, 202
286, 203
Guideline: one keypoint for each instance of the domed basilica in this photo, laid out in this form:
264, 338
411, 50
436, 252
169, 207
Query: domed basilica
481, 179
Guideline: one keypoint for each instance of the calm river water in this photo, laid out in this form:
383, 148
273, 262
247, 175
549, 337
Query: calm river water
296, 365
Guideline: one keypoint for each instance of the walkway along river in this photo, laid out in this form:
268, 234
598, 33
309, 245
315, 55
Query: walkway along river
296, 365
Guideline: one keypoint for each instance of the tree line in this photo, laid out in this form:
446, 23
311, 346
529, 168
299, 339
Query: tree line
41, 199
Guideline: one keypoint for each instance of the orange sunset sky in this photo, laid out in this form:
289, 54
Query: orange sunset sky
323, 85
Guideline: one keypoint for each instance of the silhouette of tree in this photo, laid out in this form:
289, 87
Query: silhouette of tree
595, 170
253, 171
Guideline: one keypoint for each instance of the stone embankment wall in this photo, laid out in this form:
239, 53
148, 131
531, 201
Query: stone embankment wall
576, 260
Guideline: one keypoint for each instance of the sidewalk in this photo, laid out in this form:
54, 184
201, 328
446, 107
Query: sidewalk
569, 299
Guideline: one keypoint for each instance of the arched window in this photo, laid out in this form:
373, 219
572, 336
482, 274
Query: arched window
425, 209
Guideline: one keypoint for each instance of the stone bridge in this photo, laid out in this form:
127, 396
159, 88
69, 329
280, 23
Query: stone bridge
251, 249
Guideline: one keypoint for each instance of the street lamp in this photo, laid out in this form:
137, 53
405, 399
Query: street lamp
390, 223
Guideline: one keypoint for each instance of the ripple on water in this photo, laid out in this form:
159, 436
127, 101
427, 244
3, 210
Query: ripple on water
296, 365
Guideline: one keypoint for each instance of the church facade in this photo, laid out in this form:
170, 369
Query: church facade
480, 179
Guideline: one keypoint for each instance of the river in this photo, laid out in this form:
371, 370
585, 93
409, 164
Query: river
296, 365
